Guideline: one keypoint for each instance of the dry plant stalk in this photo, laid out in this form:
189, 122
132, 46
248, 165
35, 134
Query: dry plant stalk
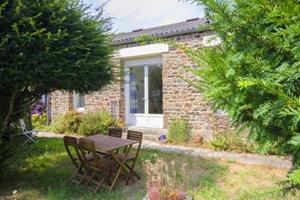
164, 182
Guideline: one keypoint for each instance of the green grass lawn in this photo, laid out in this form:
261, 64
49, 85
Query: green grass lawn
41, 171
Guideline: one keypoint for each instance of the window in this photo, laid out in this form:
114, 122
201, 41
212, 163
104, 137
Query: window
78, 102
155, 94
137, 90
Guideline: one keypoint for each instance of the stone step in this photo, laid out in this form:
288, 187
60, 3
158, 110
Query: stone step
149, 133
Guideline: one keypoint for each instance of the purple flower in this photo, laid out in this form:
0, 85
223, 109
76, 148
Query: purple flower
162, 137
38, 108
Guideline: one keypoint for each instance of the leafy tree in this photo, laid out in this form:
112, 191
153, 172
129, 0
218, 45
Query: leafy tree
254, 74
48, 45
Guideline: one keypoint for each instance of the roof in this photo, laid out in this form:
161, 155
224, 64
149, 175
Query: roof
188, 26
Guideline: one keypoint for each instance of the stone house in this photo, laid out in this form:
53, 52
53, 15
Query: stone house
153, 91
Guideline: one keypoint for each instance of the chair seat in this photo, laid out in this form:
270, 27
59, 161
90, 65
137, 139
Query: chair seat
122, 156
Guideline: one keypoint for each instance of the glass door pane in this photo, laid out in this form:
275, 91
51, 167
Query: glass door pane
136, 89
155, 89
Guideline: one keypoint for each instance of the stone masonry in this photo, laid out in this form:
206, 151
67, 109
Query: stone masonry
181, 100
60, 102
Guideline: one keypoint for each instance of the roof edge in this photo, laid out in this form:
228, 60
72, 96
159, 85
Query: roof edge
182, 28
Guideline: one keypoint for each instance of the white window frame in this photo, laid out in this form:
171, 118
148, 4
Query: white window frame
76, 104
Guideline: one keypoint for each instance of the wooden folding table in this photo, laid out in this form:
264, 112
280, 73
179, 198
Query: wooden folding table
107, 144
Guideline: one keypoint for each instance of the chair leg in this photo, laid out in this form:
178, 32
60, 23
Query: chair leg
34, 140
115, 180
108, 176
99, 185
83, 177
131, 172
77, 172
134, 172
73, 174
26, 141
29, 138
90, 179
128, 178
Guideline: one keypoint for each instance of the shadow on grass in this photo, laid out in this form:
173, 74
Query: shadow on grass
41, 171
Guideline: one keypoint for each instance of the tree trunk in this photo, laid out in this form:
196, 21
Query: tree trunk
6, 122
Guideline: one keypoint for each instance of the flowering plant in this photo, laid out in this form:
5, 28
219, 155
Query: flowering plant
164, 182
38, 114
38, 108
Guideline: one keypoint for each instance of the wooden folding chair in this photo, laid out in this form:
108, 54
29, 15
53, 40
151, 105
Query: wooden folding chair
27, 133
115, 132
76, 158
131, 158
100, 168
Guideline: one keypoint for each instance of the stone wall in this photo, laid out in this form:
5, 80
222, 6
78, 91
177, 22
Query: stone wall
110, 98
60, 103
183, 101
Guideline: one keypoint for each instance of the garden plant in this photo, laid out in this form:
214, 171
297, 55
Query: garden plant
47, 46
254, 73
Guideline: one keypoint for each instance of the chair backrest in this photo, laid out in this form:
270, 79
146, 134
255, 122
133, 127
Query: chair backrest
87, 147
135, 135
115, 132
71, 143
22, 125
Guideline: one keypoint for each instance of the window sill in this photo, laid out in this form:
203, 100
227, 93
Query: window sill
82, 109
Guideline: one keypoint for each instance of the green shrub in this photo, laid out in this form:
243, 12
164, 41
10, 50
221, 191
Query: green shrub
257, 82
178, 132
231, 141
93, 123
119, 123
68, 123
84, 124
39, 121
57, 125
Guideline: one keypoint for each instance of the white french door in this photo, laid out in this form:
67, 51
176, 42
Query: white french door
143, 92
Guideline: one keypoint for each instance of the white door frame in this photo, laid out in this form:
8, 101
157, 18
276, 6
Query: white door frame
138, 119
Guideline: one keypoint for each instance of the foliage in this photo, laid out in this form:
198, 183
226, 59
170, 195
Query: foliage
39, 115
67, 123
84, 124
93, 123
46, 46
38, 121
165, 181
119, 123
254, 73
231, 141
178, 131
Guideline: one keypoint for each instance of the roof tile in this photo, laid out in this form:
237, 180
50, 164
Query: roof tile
188, 26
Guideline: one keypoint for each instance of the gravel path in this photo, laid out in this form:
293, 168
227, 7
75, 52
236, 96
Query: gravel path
246, 158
